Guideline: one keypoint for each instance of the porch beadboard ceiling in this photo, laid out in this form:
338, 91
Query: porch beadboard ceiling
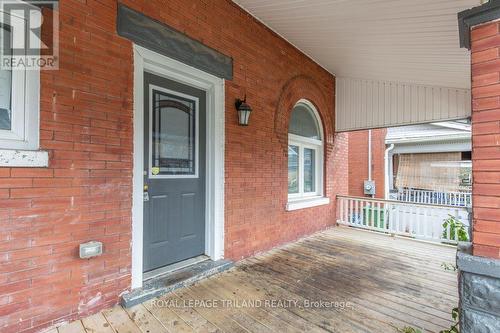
391, 40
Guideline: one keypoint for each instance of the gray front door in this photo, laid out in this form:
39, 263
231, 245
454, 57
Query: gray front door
174, 171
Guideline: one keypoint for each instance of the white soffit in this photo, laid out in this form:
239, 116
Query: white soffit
410, 41
397, 62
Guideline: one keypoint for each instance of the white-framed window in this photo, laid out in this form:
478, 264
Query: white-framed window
305, 157
19, 90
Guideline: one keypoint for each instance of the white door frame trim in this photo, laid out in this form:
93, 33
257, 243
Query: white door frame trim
147, 60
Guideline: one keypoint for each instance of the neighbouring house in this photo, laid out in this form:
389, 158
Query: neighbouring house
426, 163
430, 163
136, 135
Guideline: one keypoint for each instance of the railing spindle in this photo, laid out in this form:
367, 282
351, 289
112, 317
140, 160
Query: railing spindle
372, 215
351, 210
347, 211
364, 213
341, 209
377, 215
356, 211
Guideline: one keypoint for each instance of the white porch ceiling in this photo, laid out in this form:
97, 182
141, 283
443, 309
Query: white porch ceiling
410, 41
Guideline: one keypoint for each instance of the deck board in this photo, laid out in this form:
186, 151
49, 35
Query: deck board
145, 320
97, 323
387, 283
168, 318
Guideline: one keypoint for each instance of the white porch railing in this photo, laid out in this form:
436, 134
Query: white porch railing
422, 221
461, 199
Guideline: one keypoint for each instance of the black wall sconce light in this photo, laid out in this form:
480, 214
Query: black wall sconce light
244, 111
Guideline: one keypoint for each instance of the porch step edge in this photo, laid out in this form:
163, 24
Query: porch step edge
167, 283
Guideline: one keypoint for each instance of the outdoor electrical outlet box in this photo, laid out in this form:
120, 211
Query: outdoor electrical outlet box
369, 187
90, 249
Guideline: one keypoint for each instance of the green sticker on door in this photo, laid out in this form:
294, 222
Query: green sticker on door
155, 170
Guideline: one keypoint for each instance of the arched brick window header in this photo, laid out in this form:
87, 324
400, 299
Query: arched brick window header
297, 88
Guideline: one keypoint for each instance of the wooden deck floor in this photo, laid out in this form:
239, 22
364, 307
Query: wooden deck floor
379, 284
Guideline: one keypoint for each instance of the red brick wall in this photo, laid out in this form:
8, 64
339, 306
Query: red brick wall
86, 125
358, 161
486, 139
341, 162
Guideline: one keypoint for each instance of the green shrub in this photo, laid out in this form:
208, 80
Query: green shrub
458, 230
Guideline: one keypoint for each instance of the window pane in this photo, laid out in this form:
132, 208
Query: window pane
303, 122
5, 81
174, 136
309, 167
293, 169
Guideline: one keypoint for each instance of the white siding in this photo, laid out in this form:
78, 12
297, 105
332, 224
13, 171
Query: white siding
364, 104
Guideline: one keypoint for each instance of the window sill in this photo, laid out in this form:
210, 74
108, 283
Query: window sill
24, 158
307, 203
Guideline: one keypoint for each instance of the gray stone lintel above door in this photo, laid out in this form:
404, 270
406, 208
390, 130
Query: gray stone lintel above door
161, 38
